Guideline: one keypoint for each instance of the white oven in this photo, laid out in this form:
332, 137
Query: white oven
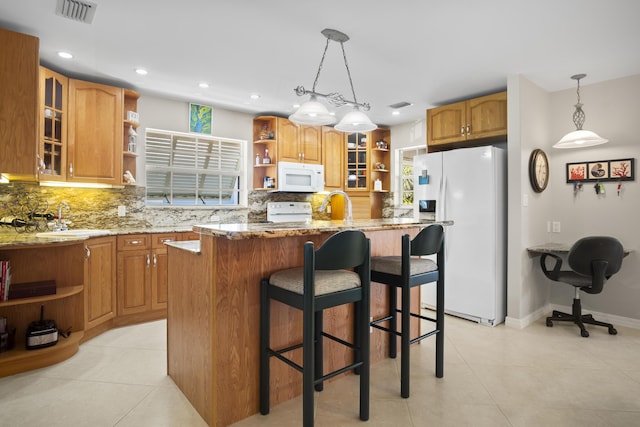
288, 212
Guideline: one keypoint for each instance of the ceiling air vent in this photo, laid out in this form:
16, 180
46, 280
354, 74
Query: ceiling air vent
400, 105
82, 11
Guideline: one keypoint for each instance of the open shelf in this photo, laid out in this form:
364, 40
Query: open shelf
61, 292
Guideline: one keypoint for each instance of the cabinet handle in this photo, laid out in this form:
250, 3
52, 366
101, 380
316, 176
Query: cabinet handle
71, 169
468, 129
462, 130
302, 154
87, 252
134, 242
148, 260
155, 261
166, 240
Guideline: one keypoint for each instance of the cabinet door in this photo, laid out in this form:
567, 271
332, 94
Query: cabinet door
53, 125
487, 116
358, 161
288, 137
159, 279
311, 144
134, 281
333, 155
99, 281
94, 133
18, 105
446, 124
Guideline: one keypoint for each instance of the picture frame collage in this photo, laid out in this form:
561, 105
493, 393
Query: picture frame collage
601, 170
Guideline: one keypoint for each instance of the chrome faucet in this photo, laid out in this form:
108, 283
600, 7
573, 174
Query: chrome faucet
60, 225
323, 206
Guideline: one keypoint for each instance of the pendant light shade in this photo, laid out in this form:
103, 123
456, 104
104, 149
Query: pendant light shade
355, 121
579, 137
312, 113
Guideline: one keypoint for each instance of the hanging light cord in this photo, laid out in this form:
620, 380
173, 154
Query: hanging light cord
334, 98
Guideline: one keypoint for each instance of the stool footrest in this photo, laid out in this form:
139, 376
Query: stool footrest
337, 372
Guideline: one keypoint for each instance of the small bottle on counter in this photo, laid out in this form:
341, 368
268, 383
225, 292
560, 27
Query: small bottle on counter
257, 159
266, 159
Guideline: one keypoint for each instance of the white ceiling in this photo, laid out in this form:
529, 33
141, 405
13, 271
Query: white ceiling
425, 52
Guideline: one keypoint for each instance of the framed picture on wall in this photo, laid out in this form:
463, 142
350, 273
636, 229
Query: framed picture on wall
200, 118
602, 170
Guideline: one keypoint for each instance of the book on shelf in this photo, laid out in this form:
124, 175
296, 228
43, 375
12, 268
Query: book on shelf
5, 279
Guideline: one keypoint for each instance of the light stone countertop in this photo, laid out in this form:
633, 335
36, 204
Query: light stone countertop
11, 238
286, 229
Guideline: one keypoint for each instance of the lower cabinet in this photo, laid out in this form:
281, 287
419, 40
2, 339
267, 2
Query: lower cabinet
142, 272
99, 281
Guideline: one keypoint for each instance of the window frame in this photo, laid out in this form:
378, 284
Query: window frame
194, 168
401, 177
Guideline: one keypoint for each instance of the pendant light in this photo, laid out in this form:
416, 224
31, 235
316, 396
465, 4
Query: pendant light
313, 112
579, 137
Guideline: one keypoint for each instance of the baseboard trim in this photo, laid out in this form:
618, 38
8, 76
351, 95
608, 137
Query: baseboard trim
512, 322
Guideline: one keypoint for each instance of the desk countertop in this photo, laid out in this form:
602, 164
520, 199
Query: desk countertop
558, 248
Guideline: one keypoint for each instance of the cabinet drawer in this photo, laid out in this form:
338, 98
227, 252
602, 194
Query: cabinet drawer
190, 235
134, 242
158, 240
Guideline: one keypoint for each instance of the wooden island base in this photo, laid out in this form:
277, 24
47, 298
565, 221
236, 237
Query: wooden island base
213, 320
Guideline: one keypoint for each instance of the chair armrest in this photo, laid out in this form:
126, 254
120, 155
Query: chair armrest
553, 273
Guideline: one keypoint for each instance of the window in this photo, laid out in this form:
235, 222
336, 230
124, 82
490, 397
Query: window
188, 169
405, 168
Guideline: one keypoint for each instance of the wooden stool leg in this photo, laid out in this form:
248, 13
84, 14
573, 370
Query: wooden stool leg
318, 349
265, 314
404, 342
393, 322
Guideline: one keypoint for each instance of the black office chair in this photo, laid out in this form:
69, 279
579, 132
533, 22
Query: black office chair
322, 283
593, 260
405, 272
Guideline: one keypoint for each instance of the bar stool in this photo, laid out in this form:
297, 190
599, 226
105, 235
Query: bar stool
323, 282
405, 272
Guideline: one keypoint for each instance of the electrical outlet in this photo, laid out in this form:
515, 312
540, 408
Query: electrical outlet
556, 226
122, 210
214, 218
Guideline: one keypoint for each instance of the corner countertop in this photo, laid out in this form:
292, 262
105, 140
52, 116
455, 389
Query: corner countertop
286, 229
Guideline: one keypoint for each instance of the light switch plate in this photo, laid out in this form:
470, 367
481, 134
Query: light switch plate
122, 210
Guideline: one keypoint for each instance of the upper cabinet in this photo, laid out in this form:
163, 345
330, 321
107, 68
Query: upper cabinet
333, 153
469, 122
357, 161
299, 143
95, 131
53, 125
380, 160
19, 69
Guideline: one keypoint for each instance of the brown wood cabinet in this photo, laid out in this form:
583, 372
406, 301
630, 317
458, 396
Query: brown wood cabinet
298, 143
19, 69
54, 90
142, 272
130, 142
95, 130
333, 153
99, 281
477, 120
265, 139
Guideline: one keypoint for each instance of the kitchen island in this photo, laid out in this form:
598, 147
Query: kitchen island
214, 304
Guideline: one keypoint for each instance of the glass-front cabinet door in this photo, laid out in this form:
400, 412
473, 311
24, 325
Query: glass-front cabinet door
357, 158
53, 132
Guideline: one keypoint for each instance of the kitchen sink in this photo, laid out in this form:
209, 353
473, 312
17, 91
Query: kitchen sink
73, 233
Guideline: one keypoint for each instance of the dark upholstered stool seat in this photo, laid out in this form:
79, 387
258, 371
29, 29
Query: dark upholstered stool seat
337, 273
405, 272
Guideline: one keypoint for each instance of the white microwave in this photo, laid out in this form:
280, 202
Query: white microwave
300, 177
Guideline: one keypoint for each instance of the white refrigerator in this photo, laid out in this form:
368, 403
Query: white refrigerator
467, 186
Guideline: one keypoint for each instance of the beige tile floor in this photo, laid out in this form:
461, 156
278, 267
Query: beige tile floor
493, 377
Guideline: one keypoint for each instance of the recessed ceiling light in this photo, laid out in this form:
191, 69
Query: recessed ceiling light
65, 55
395, 113
255, 96
296, 105
204, 85
141, 71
